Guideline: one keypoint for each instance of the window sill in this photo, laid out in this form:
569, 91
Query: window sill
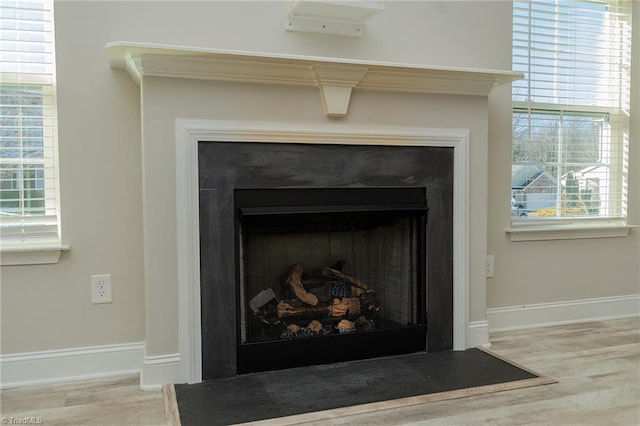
31, 254
571, 232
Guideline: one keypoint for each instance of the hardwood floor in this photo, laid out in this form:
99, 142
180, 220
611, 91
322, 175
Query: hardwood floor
597, 366
116, 401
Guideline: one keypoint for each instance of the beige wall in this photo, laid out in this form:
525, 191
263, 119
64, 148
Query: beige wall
48, 307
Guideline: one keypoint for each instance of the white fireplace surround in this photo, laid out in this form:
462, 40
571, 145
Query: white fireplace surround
335, 79
190, 132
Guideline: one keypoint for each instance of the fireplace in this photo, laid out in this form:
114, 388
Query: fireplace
314, 254
199, 105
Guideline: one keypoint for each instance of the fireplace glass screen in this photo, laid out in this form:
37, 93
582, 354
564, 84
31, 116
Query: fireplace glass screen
323, 264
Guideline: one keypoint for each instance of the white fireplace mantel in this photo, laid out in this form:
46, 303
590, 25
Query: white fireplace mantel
336, 77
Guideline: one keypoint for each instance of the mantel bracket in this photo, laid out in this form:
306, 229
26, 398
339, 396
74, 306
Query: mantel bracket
335, 85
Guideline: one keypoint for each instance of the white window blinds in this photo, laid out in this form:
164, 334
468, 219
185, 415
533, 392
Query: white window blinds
28, 166
570, 118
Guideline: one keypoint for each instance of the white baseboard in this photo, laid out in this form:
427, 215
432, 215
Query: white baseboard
69, 365
160, 370
478, 334
558, 313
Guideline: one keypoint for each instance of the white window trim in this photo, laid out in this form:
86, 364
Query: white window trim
32, 254
546, 232
30, 240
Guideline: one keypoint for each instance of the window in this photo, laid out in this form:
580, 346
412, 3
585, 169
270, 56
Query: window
28, 167
571, 112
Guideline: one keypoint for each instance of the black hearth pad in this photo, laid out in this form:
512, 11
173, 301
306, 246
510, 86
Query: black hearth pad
260, 396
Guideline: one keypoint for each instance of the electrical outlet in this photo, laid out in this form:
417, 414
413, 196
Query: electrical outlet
489, 266
101, 288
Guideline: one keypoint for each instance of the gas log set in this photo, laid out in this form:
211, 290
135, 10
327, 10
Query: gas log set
318, 303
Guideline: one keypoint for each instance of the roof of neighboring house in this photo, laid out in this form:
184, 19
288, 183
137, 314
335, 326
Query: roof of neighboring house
523, 175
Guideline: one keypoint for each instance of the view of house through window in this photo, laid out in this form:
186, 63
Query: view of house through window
28, 172
571, 112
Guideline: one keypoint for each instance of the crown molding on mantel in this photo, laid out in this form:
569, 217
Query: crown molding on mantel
336, 77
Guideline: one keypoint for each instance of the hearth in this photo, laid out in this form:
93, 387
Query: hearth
328, 259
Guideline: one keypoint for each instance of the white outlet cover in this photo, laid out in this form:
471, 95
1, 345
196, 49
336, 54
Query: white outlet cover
101, 289
489, 265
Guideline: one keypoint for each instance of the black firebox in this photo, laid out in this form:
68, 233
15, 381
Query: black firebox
329, 274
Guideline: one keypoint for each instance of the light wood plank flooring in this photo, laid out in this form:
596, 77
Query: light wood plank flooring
597, 366
116, 401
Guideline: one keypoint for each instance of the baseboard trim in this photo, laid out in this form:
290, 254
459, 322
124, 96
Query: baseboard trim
70, 365
159, 370
478, 334
559, 313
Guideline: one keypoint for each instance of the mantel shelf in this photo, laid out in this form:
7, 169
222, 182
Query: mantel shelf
336, 77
